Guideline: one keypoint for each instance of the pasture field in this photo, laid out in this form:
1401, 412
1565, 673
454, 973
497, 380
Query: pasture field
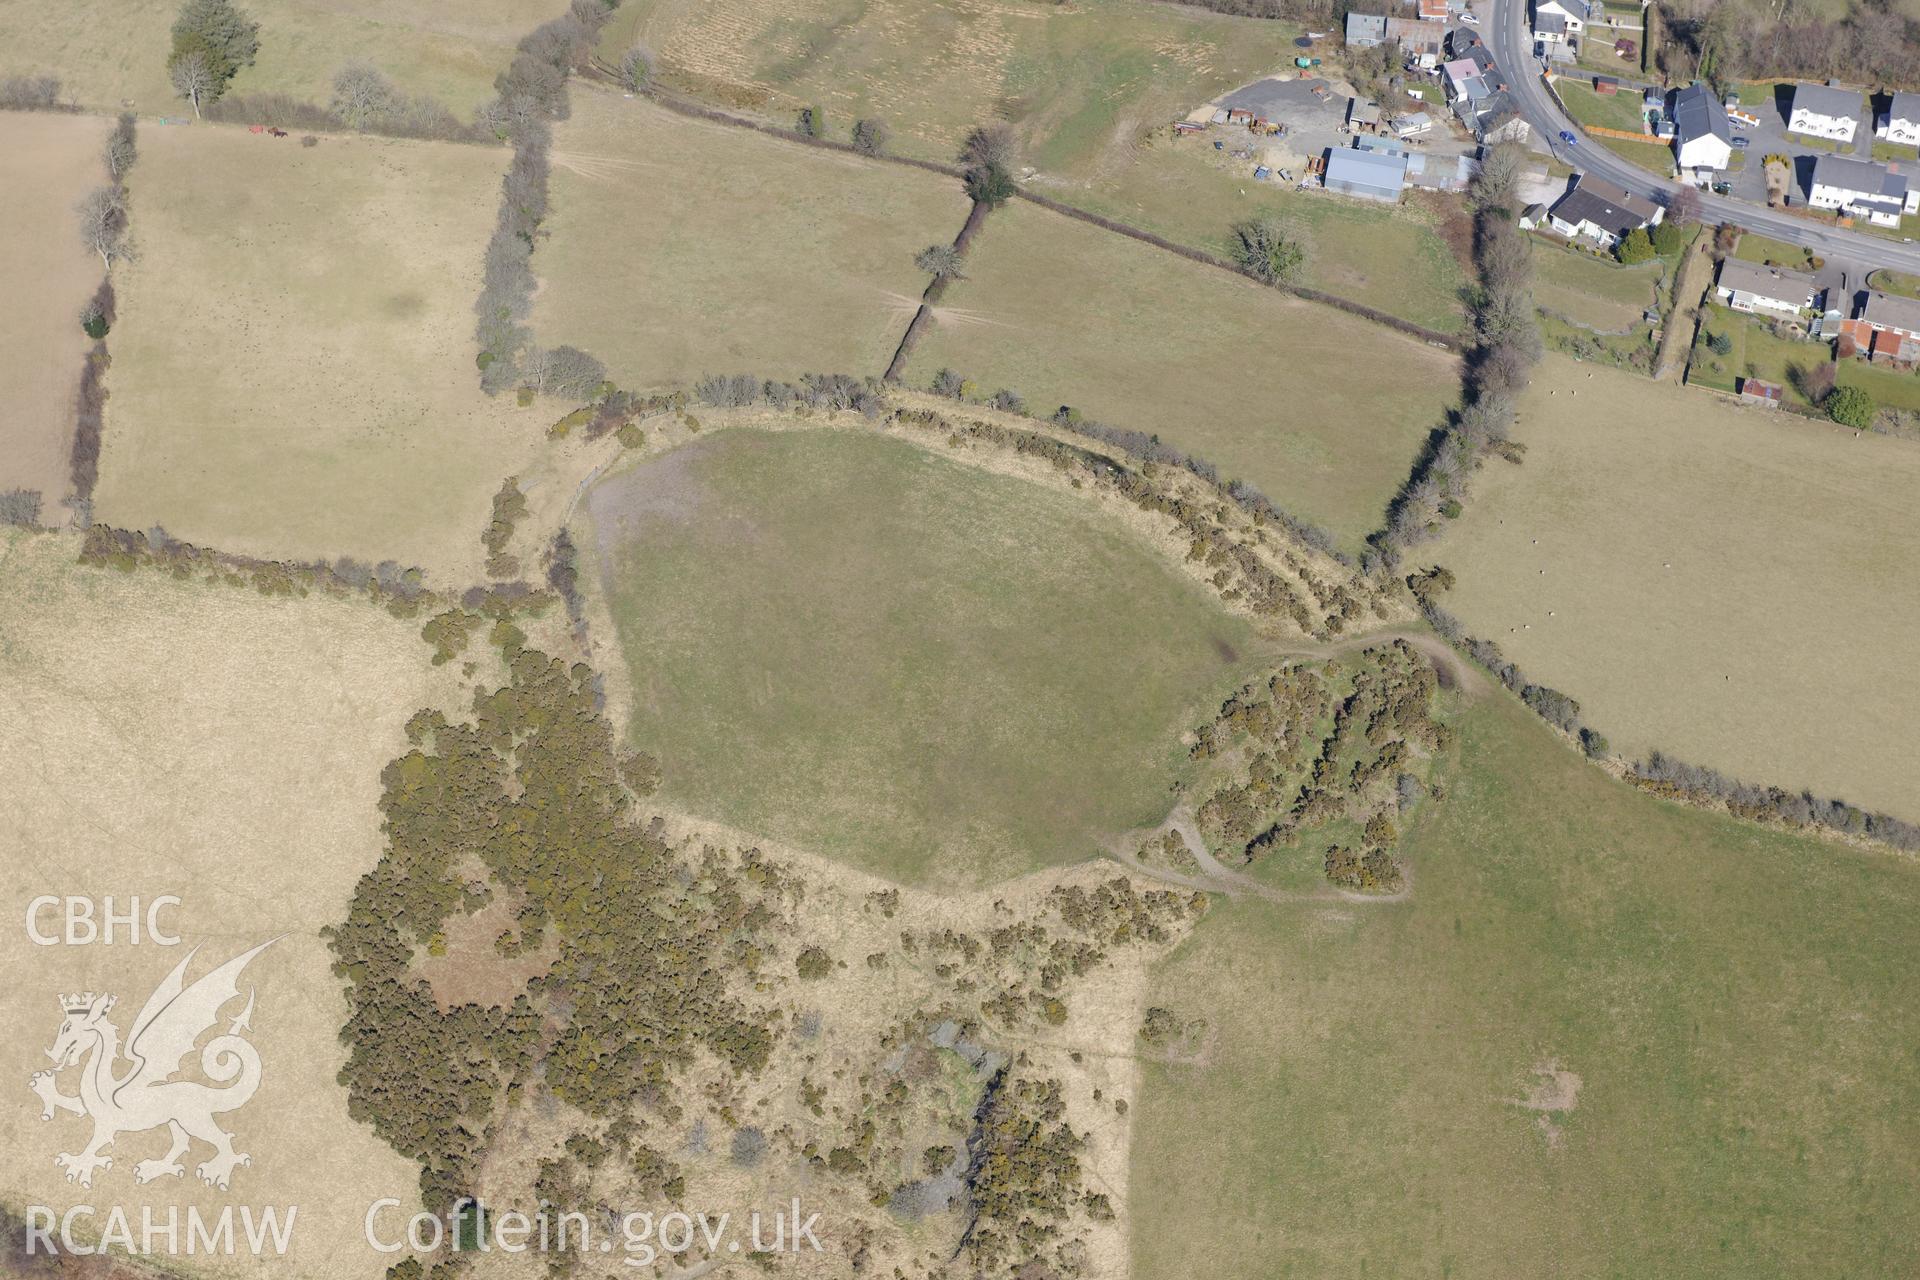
1597, 293
681, 248
1321, 410
1396, 260
47, 163
110, 53
1605, 1035
933, 672
205, 742
1730, 585
293, 370
1080, 83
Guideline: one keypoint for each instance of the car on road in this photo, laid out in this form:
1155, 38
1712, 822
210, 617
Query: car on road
1566, 136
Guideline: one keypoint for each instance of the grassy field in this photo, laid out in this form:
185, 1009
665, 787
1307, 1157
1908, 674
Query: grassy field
1757, 353
1610, 110
212, 744
1322, 411
1728, 584
1078, 82
47, 163
733, 251
1729, 1008
1767, 251
933, 672
1397, 260
293, 369
1595, 292
110, 52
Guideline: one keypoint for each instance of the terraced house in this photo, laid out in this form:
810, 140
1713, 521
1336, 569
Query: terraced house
1825, 111
1862, 189
1901, 123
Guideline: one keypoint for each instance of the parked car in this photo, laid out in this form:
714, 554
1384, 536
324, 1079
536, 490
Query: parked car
1471, 18
1740, 144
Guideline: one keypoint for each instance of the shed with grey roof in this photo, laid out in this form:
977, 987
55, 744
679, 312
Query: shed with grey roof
1371, 175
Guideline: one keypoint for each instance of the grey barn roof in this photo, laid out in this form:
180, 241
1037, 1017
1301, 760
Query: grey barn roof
1825, 100
1375, 170
1698, 114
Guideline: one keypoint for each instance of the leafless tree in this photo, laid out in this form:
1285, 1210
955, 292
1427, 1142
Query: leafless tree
362, 96
121, 151
567, 371
990, 146
193, 78
103, 223
940, 261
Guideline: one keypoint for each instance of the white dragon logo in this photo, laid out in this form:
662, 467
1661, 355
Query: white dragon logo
143, 1096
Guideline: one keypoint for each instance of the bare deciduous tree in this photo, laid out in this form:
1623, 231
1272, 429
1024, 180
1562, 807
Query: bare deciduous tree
121, 151
193, 78
870, 136
940, 261
362, 96
103, 223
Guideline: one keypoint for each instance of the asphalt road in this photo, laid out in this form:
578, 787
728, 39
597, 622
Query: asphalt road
1512, 46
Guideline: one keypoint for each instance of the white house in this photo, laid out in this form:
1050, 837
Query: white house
1752, 286
1550, 29
1902, 122
1573, 13
1824, 111
1862, 189
1702, 137
1596, 210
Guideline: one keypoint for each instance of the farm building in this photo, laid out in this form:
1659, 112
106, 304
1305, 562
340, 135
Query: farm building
1754, 287
1901, 123
1825, 111
1861, 189
1365, 30
1424, 42
1768, 395
1370, 175
1363, 115
1598, 211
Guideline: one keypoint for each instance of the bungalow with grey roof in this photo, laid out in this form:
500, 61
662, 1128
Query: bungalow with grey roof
1755, 287
1597, 210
